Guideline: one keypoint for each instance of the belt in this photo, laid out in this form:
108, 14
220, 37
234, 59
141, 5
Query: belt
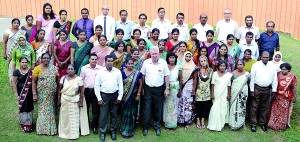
109, 93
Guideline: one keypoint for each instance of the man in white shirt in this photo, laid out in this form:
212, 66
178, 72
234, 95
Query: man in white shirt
107, 22
155, 77
145, 29
202, 27
249, 45
163, 24
226, 26
109, 91
263, 78
125, 25
240, 38
182, 27
88, 74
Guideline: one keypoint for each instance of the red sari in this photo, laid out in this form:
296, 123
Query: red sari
279, 115
62, 53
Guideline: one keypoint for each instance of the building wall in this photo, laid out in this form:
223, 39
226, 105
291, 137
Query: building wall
286, 14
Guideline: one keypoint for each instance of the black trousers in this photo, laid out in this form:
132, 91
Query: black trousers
111, 108
153, 97
91, 99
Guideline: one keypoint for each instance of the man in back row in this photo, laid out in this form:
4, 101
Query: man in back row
226, 26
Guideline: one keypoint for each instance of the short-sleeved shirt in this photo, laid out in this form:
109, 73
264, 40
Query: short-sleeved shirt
145, 30
89, 74
242, 33
253, 47
126, 27
267, 42
155, 73
183, 31
164, 28
202, 31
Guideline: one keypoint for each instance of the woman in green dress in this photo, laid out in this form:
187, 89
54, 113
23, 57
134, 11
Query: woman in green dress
80, 52
232, 50
162, 49
248, 60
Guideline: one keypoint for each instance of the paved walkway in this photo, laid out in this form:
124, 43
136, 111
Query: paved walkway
6, 23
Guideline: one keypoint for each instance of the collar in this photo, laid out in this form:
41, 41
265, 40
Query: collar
158, 62
183, 25
105, 69
96, 67
158, 20
245, 27
126, 22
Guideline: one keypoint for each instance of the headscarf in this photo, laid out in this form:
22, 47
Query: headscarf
187, 67
27, 47
277, 64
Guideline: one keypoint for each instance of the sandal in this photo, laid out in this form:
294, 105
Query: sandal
203, 126
198, 126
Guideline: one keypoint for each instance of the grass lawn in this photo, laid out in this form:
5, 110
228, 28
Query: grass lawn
10, 130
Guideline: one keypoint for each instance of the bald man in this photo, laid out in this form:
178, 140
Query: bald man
202, 27
107, 22
226, 26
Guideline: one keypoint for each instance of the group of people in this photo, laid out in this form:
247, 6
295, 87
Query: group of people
134, 70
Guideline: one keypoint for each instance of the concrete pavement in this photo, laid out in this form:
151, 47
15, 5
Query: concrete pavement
5, 23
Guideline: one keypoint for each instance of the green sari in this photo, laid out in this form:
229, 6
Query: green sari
82, 55
248, 65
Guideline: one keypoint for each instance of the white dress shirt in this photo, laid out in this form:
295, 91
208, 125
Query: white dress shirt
88, 75
263, 75
164, 27
202, 31
155, 73
109, 82
224, 28
253, 47
110, 26
145, 30
183, 31
242, 33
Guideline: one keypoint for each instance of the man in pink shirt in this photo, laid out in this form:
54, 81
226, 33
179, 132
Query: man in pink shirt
88, 73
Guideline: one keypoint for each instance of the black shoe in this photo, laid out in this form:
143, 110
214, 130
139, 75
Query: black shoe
102, 137
145, 132
95, 130
157, 132
264, 128
113, 136
253, 128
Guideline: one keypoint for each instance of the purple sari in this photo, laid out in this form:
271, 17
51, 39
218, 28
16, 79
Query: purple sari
30, 34
212, 49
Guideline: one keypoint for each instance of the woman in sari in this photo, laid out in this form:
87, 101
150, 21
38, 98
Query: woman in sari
46, 22
232, 50
142, 49
137, 62
120, 55
10, 42
282, 104
223, 56
73, 113
181, 51
44, 83
119, 37
23, 49
220, 94
248, 60
62, 53
202, 51
62, 24
132, 81
203, 100
238, 97
133, 41
212, 46
80, 52
153, 41
162, 49
185, 102
29, 28
170, 103
40, 45
173, 44
23, 93
102, 50
277, 60
94, 38
193, 44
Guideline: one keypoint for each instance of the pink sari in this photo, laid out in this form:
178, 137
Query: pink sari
101, 53
62, 53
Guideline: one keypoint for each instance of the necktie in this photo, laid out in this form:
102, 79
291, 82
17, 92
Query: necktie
84, 25
104, 25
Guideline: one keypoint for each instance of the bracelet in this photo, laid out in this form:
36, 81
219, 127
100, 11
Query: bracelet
138, 94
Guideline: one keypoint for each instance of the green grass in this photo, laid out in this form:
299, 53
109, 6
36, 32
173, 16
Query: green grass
10, 130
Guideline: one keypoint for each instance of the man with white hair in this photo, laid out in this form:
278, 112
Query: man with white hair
155, 76
107, 22
226, 26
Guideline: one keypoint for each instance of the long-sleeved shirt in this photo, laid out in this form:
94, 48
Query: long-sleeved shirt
79, 25
224, 28
263, 75
109, 31
267, 42
108, 82
88, 75
126, 27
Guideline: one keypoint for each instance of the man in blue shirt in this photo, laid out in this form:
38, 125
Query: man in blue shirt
124, 24
269, 40
85, 24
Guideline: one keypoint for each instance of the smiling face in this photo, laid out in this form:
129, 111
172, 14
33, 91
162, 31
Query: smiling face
193, 35
22, 42
93, 60
223, 50
102, 41
175, 35
135, 55
98, 31
120, 36
188, 57
182, 48
247, 55
63, 36
141, 45
23, 63
41, 35
85, 14
15, 24
46, 59
155, 35
284, 71
136, 35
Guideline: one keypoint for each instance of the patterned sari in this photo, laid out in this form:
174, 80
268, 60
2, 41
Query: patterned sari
280, 109
46, 91
172, 48
30, 34
128, 116
72, 118
82, 55
39, 50
120, 62
238, 101
212, 49
101, 53
67, 27
62, 53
